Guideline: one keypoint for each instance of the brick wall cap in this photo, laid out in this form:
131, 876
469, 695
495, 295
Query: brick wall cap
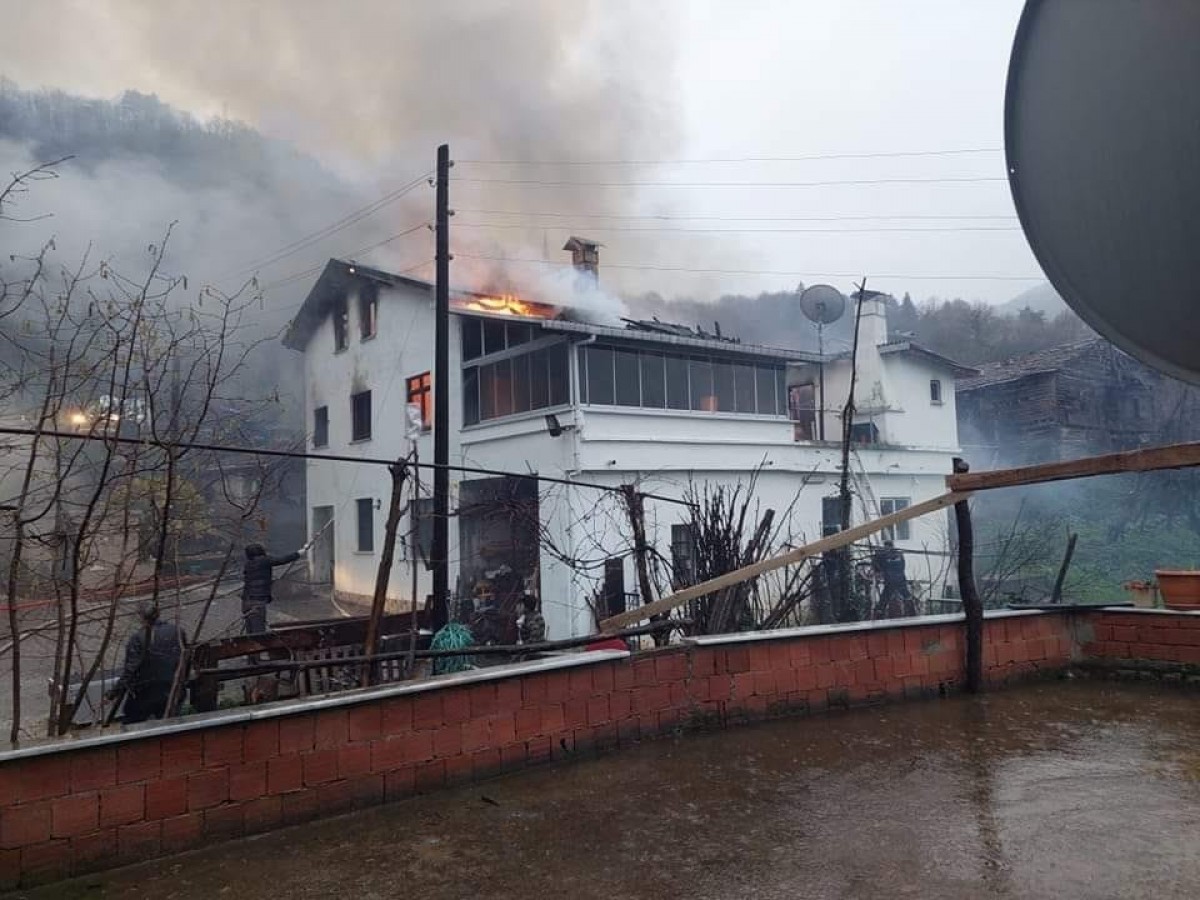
285, 708
741, 637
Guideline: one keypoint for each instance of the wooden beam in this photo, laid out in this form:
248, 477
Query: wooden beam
841, 539
1172, 456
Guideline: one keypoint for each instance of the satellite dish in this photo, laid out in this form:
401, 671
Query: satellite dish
822, 304
1102, 136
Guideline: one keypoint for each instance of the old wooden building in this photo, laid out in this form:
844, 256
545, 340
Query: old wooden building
1071, 400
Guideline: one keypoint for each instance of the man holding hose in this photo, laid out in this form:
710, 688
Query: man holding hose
257, 579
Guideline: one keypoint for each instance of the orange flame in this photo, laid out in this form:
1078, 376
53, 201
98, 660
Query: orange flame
506, 305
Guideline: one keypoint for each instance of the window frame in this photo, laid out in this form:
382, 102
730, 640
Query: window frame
935, 392
356, 434
341, 324
901, 530
320, 437
368, 311
364, 505
419, 389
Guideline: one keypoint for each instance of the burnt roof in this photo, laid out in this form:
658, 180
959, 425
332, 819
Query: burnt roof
333, 282
1040, 362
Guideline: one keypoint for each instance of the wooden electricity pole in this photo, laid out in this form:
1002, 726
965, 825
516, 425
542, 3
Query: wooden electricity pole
441, 397
386, 559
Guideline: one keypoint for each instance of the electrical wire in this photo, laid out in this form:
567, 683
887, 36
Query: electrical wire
346, 221
288, 279
685, 218
535, 182
672, 230
789, 273
734, 159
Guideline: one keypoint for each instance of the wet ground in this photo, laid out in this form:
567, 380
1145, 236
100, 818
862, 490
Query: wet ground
1065, 790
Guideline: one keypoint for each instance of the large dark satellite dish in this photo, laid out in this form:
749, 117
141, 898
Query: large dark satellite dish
1102, 136
822, 304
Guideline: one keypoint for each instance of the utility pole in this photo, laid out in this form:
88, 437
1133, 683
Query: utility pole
846, 570
441, 396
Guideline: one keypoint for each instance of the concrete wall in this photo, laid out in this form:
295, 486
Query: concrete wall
75, 806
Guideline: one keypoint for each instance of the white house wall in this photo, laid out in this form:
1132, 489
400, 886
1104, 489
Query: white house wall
662, 451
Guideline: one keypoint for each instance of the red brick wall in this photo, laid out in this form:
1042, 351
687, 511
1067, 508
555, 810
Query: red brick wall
76, 809
1151, 635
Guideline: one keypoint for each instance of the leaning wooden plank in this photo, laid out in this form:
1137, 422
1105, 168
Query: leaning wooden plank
841, 539
1172, 456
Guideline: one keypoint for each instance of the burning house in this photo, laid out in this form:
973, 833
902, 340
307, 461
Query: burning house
536, 390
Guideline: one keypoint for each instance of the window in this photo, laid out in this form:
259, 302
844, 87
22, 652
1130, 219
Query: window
418, 393
368, 310
620, 377
889, 505
321, 426
863, 433
341, 325
802, 411
518, 383
472, 338
360, 416
366, 525
831, 515
935, 390
683, 556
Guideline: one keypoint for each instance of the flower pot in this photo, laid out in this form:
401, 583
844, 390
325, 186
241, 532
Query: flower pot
1180, 588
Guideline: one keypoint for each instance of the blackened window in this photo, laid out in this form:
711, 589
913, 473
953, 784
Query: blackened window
472, 338
366, 525
520, 383
683, 556
360, 416
935, 390
368, 310
743, 389
341, 324
471, 396
321, 426
723, 386
493, 336
418, 393
831, 514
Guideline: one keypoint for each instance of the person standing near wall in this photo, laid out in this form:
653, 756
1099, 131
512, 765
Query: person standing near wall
151, 658
257, 580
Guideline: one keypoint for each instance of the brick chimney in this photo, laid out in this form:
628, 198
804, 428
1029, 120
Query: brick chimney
585, 257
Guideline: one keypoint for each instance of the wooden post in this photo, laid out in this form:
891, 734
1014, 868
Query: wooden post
415, 543
635, 507
386, 558
972, 605
441, 395
1056, 594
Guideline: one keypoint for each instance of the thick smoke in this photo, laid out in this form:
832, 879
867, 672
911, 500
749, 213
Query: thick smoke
349, 103
369, 88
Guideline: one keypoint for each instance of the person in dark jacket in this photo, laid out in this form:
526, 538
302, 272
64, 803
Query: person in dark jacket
257, 579
151, 658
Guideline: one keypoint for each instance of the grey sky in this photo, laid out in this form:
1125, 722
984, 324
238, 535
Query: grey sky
371, 87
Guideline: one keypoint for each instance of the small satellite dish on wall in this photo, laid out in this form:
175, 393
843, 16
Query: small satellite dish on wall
822, 304
1102, 138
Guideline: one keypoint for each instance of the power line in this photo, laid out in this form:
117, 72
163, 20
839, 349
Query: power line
790, 273
288, 279
535, 182
731, 159
669, 229
327, 457
684, 218
345, 222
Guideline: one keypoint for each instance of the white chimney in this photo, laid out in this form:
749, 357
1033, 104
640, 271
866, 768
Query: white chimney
869, 393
